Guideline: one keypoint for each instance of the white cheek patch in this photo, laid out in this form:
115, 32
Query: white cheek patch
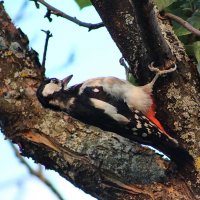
109, 110
50, 89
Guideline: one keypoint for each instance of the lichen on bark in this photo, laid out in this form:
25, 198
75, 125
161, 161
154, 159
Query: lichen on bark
101, 163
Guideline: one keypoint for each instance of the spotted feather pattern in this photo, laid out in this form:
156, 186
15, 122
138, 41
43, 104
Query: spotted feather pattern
96, 107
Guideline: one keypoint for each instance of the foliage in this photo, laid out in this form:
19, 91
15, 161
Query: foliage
83, 3
163, 3
189, 10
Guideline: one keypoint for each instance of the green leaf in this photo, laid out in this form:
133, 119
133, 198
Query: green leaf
162, 4
197, 50
180, 8
131, 79
180, 30
83, 3
198, 68
194, 20
194, 50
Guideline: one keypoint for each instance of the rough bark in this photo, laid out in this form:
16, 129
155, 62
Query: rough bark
177, 107
102, 163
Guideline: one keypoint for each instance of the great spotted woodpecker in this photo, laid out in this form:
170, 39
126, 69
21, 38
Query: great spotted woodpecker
113, 105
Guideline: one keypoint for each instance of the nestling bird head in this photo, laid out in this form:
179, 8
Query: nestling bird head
51, 87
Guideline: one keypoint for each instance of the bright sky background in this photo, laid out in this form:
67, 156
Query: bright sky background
72, 50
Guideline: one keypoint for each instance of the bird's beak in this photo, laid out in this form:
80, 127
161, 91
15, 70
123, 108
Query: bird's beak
66, 80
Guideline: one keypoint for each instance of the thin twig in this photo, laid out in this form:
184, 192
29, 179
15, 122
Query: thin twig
182, 22
59, 13
38, 174
48, 35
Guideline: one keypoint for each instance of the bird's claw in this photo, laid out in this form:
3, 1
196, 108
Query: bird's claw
158, 71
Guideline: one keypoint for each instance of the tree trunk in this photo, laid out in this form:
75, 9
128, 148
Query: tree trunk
104, 164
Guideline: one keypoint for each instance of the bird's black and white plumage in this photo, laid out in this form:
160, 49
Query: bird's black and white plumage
111, 104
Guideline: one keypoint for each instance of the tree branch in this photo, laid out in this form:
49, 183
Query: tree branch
84, 155
101, 163
183, 23
59, 13
48, 35
37, 174
173, 100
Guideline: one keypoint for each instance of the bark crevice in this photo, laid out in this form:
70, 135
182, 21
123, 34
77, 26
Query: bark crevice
101, 163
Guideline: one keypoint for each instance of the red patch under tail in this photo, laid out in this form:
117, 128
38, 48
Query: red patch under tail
151, 115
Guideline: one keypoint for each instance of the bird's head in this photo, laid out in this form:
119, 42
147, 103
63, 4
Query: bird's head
49, 87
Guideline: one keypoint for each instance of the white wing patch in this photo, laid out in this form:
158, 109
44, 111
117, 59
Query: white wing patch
135, 97
50, 88
109, 84
109, 110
